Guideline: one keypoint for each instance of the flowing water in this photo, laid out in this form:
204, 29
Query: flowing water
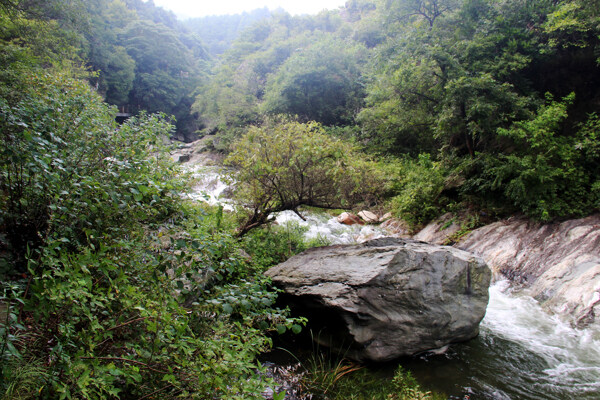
208, 186
522, 352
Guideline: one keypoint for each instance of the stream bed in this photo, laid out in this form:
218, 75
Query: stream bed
522, 352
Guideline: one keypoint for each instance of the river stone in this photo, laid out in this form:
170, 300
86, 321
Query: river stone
368, 216
347, 218
397, 227
385, 217
386, 298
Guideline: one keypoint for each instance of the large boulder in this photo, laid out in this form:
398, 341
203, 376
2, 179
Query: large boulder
388, 297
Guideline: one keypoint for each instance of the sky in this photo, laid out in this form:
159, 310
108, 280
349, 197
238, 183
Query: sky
199, 8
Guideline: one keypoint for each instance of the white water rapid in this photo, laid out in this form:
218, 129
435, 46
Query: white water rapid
209, 185
548, 358
322, 226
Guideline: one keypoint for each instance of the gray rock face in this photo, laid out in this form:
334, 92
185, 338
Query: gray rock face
439, 230
559, 263
388, 297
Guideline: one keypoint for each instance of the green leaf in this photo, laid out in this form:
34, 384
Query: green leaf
296, 328
227, 308
279, 396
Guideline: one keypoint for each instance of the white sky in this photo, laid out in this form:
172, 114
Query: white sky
200, 8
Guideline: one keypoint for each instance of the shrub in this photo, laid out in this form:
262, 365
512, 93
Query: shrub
68, 171
110, 309
550, 173
417, 187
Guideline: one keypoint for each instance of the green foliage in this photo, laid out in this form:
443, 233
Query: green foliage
305, 65
35, 25
334, 377
67, 171
547, 177
573, 23
164, 66
111, 309
285, 164
272, 245
407, 388
416, 189
10, 326
436, 82
225, 106
326, 377
320, 83
119, 328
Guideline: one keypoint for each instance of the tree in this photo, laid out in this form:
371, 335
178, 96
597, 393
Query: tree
550, 175
286, 164
320, 83
114, 68
456, 81
220, 31
166, 73
428, 10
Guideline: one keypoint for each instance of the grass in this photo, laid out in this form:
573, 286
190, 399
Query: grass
332, 376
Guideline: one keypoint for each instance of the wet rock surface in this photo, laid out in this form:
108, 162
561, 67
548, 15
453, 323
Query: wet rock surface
368, 216
349, 219
558, 263
196, 153
388, 297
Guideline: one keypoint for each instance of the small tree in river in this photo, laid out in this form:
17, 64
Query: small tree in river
284, 165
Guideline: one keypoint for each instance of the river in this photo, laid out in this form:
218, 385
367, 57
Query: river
521, 353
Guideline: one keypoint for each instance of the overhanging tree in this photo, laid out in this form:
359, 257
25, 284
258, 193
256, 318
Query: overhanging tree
286, 164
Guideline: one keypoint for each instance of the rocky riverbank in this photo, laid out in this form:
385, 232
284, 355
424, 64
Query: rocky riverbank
557, 263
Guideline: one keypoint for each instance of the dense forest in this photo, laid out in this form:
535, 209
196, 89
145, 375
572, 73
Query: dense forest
115, 286
494, 102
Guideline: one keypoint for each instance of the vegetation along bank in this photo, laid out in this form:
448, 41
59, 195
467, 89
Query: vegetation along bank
114, 286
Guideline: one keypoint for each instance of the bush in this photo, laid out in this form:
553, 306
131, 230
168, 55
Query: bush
67, 171
111, 309
272, 245
416, 187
